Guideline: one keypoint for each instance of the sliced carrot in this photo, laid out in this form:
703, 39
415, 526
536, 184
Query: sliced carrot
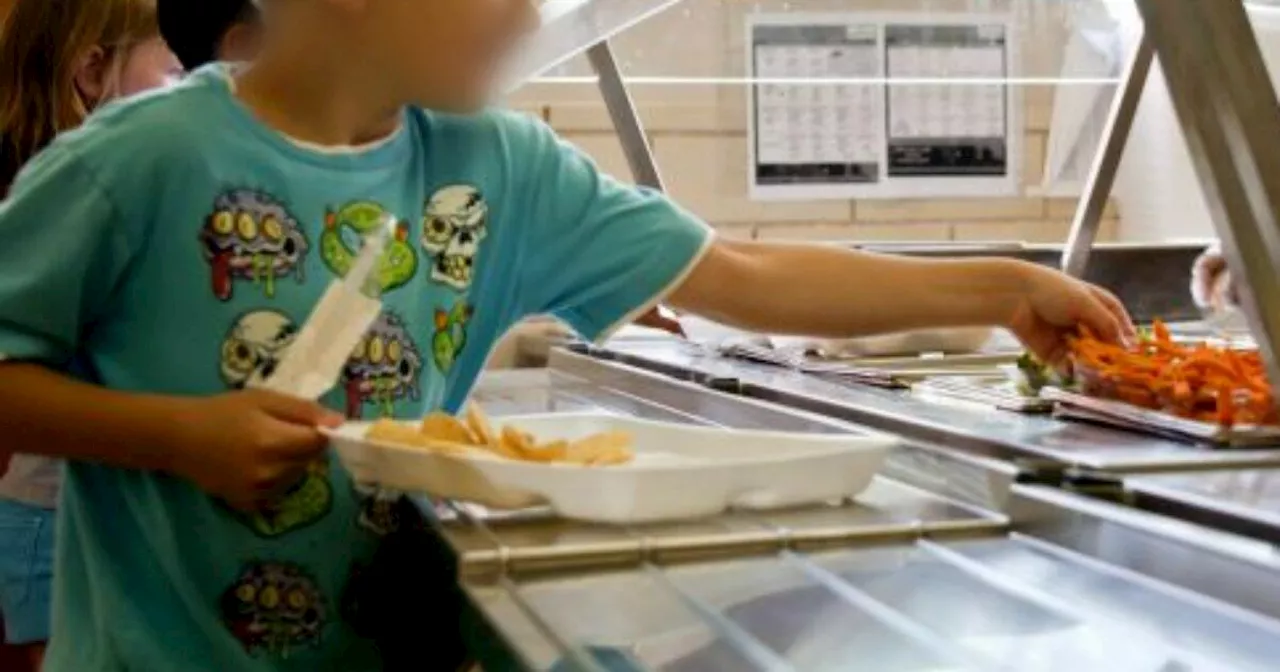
1198, 381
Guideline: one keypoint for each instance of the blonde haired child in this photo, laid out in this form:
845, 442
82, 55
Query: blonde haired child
62, 59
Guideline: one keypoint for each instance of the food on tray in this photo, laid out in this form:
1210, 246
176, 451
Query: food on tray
1034, 375
446, 434
1197, 381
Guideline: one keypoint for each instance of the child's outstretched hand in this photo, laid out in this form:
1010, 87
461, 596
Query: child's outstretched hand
1053, 308
247, 448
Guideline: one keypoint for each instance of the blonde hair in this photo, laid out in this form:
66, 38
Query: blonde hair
42, 43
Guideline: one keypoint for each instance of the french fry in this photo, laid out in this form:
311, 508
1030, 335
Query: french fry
447, 428
449, 447
607, 447
514, 442
548, 452
391, 431
480, 426
611, 457
475, 432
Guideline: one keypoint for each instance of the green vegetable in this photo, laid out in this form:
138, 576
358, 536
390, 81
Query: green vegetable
1036, 375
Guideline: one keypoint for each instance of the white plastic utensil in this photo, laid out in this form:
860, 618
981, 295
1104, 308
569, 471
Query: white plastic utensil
313, 363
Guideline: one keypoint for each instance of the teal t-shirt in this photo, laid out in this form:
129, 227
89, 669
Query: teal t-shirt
173, 245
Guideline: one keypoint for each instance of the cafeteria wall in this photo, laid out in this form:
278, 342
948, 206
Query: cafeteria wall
698, 130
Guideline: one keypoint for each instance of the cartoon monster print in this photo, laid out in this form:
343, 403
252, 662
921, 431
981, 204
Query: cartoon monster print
453, 227
383, 369
254, 346
274, 608
345, 227
250, 235
307, 502
450, 335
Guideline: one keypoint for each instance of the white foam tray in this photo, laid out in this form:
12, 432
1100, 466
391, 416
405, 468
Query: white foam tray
680, 471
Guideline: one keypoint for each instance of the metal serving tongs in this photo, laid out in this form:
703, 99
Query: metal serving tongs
313, 363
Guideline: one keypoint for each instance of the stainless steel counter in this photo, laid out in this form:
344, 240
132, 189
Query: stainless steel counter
1245, 501
1005, 603
1034, 443
1007, 577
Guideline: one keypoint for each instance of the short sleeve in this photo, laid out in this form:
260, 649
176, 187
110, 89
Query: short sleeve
61, 256
598, 253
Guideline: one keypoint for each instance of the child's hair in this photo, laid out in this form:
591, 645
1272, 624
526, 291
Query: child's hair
194, 30
42, 44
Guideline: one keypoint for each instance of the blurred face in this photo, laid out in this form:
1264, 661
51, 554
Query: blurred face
149, 65
445, 54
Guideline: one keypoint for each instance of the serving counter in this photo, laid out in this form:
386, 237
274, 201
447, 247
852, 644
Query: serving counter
1223, 488
947, 562
990, 540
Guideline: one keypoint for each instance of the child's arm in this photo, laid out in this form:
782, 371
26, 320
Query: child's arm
65, 259
46, 413
830, 291
244, 448
598, 254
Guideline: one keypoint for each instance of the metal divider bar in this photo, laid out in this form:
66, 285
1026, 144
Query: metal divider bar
696, 419
886, 615
1102, 176
997, 582
626, 121
573, 652
759, 654
1210, 603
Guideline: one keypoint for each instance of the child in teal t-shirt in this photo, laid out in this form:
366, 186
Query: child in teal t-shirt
174, 244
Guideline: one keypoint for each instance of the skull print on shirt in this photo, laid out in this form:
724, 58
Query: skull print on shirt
254, 346
453, 227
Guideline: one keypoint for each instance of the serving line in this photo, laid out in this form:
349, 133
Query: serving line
1077, 585
493, 549
1035, 444
902, 575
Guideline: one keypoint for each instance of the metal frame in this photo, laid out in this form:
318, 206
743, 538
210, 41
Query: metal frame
1102, 176
1230, 117
626, 121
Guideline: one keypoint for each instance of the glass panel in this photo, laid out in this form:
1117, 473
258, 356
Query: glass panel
874, 120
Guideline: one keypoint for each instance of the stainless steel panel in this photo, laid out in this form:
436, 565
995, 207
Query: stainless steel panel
1147, 547
988, 604
1245, 501
1034, 443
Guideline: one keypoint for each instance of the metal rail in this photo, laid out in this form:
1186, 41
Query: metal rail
626, 121
1230, 117
1102, 176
